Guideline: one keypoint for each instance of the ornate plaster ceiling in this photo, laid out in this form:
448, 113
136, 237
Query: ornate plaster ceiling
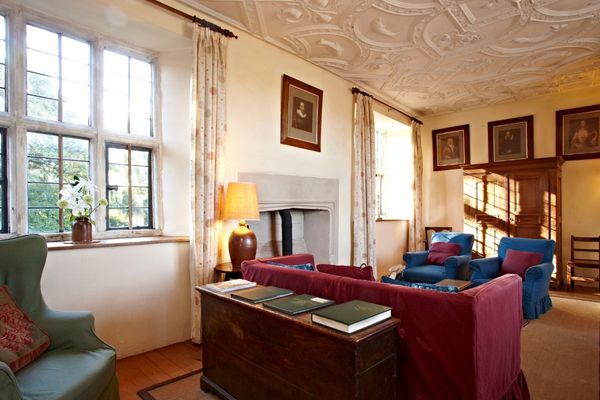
434, 56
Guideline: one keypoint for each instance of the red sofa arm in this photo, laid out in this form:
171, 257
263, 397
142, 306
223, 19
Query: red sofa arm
499, 327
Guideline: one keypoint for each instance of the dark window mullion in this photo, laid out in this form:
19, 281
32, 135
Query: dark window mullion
61, 227
3, 180
129, 188
42, 97
129, 103
60, 74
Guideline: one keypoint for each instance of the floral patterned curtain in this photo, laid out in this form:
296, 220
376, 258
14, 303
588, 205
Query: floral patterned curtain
363, 182
207, 154
416, 233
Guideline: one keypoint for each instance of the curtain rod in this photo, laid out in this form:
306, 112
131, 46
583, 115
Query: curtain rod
357, 90
202, 22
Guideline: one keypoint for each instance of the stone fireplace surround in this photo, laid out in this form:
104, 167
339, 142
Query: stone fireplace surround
314, 205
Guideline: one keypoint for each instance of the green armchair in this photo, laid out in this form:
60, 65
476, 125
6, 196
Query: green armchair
77, 365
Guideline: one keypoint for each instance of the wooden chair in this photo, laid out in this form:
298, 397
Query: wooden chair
585, 253
429, 230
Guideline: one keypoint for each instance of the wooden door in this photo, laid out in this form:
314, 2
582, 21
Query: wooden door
527, 207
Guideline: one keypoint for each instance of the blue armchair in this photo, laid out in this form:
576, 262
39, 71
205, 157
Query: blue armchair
536, 300
455, 267
77, 365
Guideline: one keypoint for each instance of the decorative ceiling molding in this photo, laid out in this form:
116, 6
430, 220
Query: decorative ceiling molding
435, 56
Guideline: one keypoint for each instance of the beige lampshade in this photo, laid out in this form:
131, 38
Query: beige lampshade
241, 201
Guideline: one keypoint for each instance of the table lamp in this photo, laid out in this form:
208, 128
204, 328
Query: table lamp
241, 203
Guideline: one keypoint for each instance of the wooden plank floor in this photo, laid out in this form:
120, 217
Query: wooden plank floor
156, 366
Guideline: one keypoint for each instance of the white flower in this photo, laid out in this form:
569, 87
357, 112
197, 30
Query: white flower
87, 186
79, 209
69, 193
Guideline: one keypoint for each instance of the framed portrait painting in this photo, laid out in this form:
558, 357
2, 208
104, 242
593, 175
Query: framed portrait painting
450, 147
577, 133
301, 106
510, 139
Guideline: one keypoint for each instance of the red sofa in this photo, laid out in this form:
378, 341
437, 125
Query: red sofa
452, 345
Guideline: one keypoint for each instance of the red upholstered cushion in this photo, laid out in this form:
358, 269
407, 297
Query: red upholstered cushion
365, 273
439, 251
517, 262
21, 341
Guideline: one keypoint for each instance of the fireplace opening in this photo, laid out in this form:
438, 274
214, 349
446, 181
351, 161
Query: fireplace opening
287, 245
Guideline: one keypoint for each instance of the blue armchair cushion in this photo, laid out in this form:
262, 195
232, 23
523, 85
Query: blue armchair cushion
21, 340
464, 240
306, 266
420, 285
518, 262
440, 251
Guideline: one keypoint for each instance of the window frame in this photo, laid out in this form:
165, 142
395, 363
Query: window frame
60, 100
18, 123
153, 95
7, 47
4, 227
130, 148
385, 152
61, 182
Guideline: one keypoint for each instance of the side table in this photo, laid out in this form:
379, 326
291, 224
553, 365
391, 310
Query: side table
226, 271
460, 284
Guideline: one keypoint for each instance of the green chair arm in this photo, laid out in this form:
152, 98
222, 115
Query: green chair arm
70, 329
9, 390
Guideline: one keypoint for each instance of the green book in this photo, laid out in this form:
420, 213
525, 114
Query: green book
351, 316
298, 303
260, 294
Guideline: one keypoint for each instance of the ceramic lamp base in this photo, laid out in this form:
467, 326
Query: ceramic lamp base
242, 245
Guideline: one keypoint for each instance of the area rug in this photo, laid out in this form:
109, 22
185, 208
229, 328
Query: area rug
185, 387
559, 351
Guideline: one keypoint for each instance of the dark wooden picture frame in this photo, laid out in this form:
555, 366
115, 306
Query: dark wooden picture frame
577, 133
301, 106
510, 139
451, 147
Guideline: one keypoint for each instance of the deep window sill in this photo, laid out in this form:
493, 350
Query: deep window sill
117, 242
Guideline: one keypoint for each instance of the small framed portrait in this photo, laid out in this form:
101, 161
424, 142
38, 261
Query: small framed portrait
577, 133
450, 147
301, 106
510, 139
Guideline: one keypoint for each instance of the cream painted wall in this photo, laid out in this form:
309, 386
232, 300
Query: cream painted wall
140, 295
254, 75
443, 196
391, 243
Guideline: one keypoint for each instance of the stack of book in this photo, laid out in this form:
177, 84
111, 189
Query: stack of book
352, 316
230, 286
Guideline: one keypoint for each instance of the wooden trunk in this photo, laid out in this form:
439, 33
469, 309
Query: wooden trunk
251, 352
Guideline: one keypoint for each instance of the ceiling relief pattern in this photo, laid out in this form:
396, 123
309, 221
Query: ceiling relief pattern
438, 56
